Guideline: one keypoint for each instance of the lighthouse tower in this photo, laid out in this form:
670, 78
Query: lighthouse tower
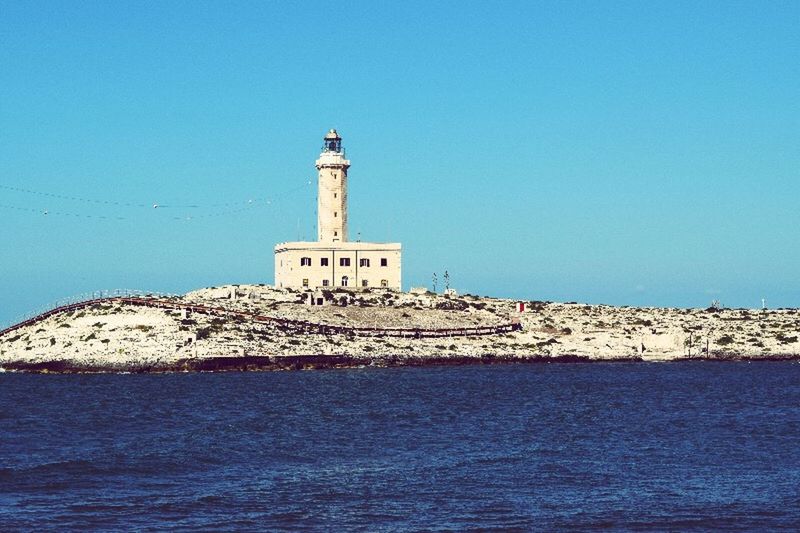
332, 261
332, 195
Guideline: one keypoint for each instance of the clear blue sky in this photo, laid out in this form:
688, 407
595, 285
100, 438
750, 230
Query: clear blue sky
643, 153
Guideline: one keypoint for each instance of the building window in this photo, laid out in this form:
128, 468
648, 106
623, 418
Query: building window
305, 282
335, 214
305, 261
384, 262
384, 283
363, 262
324, 282
323, 262
335, 233
334, 195
344, 281
344, 261
364, 283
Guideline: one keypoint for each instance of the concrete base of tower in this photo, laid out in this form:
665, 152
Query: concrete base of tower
342, 265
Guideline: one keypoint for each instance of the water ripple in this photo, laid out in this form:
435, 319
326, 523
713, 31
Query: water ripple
632, 447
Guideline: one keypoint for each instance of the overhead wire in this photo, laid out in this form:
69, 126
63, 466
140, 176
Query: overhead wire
60, 213
72, 198
246, 205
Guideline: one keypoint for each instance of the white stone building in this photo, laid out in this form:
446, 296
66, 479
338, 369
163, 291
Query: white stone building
333, 261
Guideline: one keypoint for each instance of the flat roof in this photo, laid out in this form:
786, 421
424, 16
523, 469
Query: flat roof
337, 246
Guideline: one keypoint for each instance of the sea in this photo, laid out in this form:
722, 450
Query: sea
519, 447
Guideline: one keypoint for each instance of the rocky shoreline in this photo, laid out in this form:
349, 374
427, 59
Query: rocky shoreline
297, 362
113, 336
326, 362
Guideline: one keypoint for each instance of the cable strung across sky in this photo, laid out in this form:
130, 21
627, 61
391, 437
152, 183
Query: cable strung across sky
243, 205
48, 212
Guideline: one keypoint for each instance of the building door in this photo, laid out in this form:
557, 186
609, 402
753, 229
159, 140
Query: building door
344, 281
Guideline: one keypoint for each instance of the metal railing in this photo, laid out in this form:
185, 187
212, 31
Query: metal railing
157, 300
78, 298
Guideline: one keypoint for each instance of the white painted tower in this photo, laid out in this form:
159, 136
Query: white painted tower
332, 192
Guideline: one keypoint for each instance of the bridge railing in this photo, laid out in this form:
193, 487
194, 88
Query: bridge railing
83, 297
161, 300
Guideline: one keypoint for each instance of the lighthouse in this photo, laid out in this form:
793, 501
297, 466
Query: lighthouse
332, 197
332, 261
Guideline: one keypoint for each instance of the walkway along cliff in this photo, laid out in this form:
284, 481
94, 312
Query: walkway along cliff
303, 326
260, 327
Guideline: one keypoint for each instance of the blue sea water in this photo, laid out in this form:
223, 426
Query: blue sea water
681, 446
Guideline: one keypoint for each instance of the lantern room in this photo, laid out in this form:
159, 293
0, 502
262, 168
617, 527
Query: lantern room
333, 143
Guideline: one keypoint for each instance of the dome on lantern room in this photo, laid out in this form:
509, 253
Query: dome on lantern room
332, 142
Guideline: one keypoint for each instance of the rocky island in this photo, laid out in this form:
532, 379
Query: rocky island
258, 327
